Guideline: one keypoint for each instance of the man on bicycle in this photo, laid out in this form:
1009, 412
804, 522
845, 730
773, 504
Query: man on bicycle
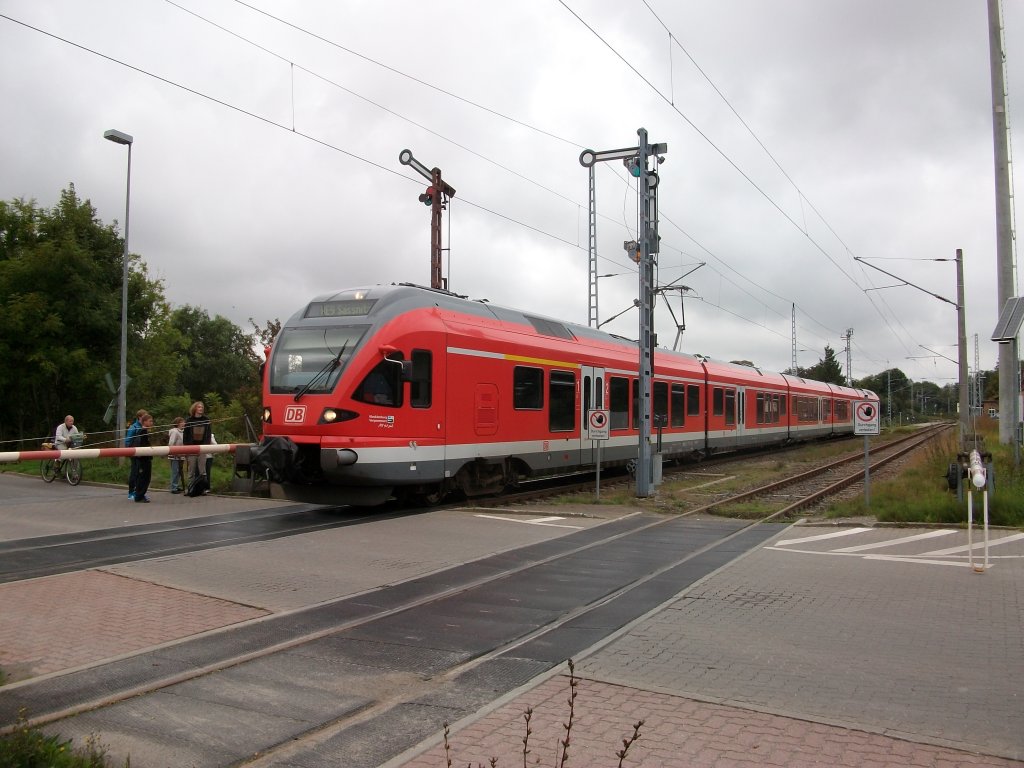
62, 435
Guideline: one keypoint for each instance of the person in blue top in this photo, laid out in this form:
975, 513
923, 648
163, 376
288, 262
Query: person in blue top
145, 463
129, 437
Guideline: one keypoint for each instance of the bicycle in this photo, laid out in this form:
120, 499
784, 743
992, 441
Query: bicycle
50, 469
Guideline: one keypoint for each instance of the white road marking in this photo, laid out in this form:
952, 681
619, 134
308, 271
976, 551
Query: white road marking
894, 542
547, 521
977, 545
820, 537
895, 559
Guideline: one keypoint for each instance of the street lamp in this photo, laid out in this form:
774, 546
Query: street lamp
123, 138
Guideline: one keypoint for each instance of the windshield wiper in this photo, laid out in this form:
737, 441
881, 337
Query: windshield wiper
331, 365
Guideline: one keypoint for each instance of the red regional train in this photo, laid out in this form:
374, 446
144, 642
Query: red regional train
415, 393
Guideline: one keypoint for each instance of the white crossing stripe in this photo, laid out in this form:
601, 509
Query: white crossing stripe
917, 561
978, 545
820, 537
547, 521
895, 542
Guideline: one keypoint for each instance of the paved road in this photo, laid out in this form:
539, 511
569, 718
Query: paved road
874, 647
825, 646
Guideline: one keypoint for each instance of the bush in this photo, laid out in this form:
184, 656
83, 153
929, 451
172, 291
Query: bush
27, 747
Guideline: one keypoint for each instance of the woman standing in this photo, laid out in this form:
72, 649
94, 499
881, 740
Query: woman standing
197, 431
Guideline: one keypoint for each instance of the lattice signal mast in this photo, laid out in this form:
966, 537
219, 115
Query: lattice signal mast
436, 197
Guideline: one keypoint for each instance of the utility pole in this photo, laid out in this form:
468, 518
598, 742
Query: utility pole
1009, 367
848, 336
437, 196
792, 335
636, 159
961, 340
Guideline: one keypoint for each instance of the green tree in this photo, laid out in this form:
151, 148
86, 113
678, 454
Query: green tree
827, 369
60, 310
217, 356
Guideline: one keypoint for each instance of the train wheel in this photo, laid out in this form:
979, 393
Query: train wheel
631, 467
511, 480
429, 496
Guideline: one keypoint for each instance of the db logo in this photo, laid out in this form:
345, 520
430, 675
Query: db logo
294, 414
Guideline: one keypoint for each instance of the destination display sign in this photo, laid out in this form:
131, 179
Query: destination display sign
341, 308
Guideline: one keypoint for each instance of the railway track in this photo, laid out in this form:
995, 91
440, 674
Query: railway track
806, 489
883, 453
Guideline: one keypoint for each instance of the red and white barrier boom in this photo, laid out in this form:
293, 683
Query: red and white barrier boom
109, 453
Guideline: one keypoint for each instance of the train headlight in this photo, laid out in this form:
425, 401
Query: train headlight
333, 415
266, 415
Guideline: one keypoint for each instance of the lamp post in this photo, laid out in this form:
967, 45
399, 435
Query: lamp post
123, 138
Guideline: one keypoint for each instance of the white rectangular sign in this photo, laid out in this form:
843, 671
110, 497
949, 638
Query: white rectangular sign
865, 418
597, 424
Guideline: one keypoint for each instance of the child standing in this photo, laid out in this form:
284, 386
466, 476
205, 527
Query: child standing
174, 437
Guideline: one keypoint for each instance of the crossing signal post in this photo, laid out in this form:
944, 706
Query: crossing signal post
436, 198
637, 161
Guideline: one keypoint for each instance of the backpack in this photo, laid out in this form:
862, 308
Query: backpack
197, 486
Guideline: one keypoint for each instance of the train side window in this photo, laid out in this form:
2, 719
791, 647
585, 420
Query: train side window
678, 403
730, 407
718, 402
693, 400
562, 397
382, 385
761, 418
527, 388
422, 378
618, 401
660, 402
782, 406
842, 410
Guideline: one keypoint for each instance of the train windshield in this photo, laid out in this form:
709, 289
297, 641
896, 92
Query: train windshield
304, 358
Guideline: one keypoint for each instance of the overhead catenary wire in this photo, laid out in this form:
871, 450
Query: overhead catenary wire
524, 124
329, 145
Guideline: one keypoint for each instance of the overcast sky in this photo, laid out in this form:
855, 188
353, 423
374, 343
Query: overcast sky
265, 165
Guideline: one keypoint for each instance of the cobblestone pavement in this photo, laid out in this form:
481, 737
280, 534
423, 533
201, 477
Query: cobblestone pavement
92, 615
797, 656
677, 731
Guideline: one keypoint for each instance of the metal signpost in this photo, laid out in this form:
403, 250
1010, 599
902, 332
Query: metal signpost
865, 422
598, 425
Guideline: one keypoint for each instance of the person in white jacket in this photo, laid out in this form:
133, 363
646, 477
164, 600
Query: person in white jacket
175, 437
63, 434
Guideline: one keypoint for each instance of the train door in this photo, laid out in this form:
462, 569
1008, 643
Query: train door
741, 413
592, 391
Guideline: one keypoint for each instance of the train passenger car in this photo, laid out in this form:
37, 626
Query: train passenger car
414, 393
746, 406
